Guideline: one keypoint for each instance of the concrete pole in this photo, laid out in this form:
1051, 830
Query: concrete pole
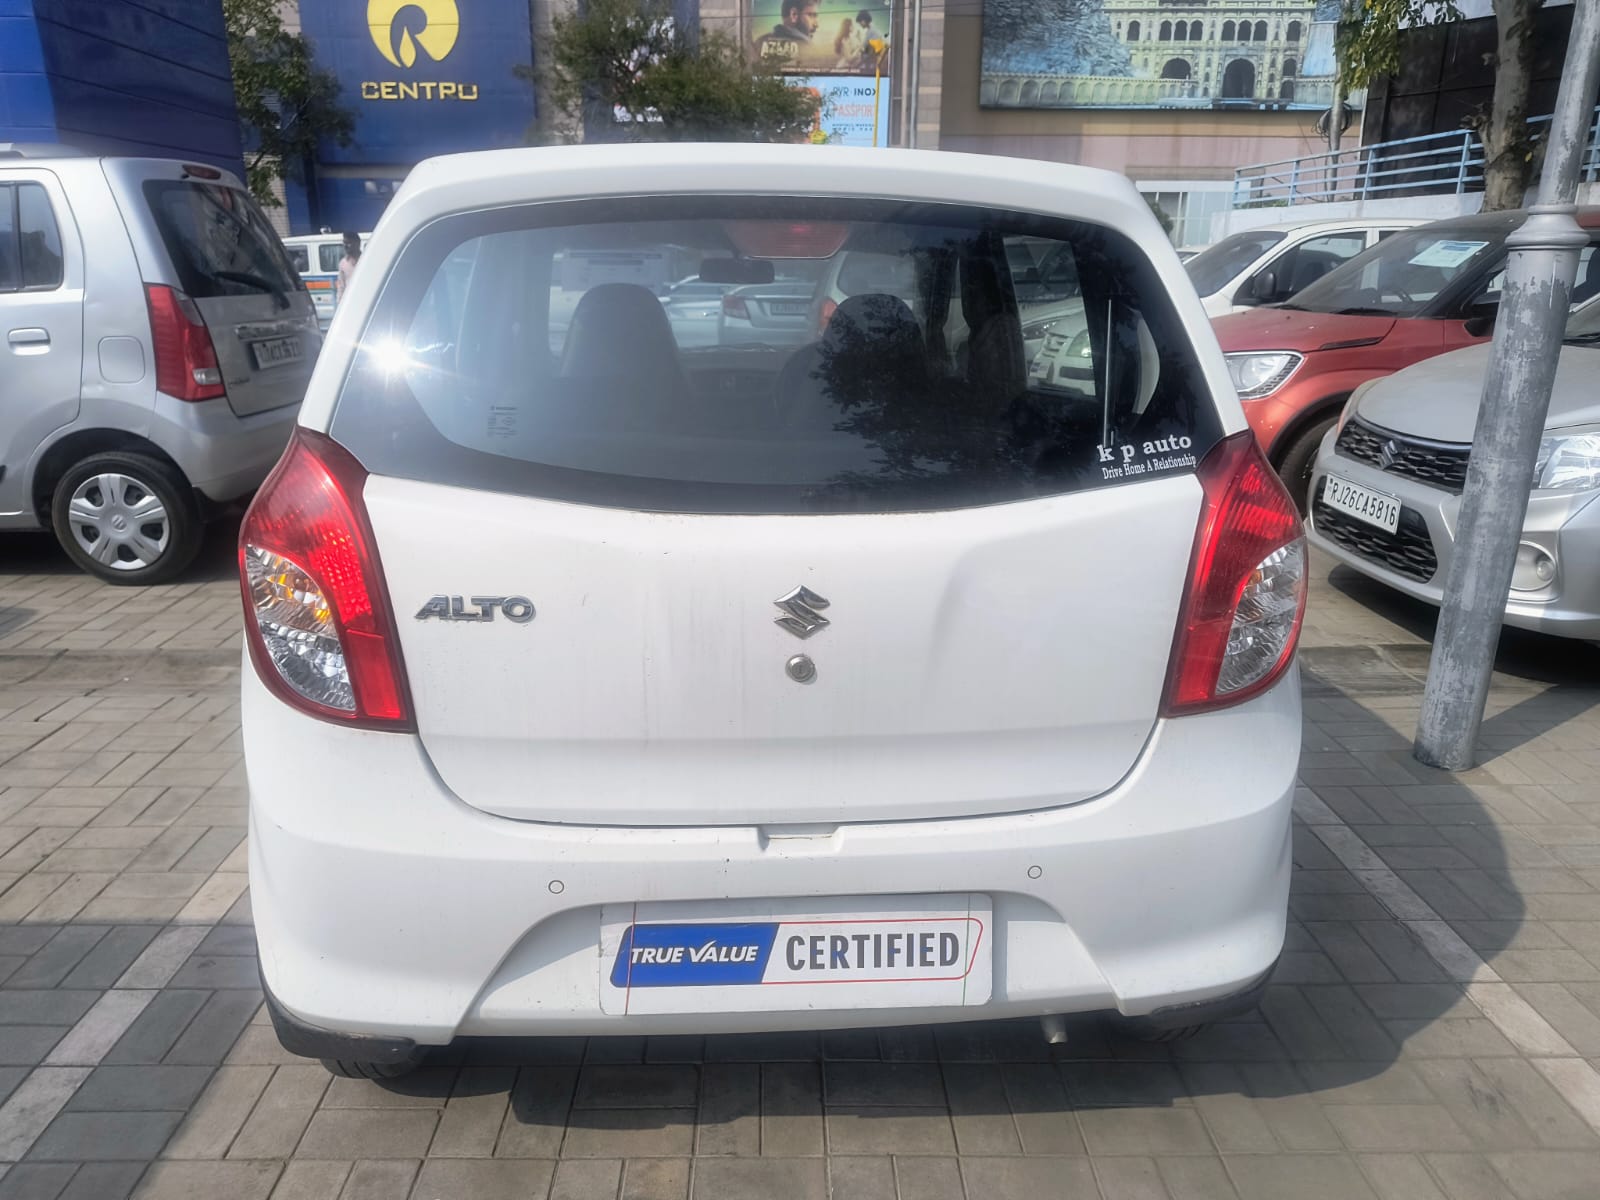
914, 49
1516, 398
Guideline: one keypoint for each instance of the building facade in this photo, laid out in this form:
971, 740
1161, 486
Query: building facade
119, 77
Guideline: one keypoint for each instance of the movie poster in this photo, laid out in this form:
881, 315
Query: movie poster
822, 37
1157, 54
855, 109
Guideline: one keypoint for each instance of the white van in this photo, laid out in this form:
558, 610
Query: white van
316, 256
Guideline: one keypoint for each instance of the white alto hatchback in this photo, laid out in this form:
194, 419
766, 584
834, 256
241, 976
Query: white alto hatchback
599, 684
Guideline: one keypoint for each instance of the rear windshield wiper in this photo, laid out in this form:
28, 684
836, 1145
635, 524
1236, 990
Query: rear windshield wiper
1583, 339
1359, 311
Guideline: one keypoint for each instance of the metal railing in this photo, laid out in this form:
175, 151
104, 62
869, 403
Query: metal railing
1434, 164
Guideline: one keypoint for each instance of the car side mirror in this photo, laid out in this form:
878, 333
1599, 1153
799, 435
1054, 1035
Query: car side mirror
1264, 287
1481, 318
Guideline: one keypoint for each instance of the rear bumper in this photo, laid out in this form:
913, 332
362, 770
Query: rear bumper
224, 456
1566, 526
392, 910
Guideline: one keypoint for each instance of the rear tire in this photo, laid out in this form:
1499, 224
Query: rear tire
350, 1068
1295, 466
126, 518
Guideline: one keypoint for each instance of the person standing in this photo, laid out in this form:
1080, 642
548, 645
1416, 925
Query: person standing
347, 264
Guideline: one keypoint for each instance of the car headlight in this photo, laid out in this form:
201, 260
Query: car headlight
1081, 346
1258, 375
1569, 461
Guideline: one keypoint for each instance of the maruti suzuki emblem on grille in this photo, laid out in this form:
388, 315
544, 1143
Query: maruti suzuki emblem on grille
1388, 453
801, 617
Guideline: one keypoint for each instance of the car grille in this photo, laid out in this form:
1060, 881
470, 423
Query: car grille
1407, 551
1440, 465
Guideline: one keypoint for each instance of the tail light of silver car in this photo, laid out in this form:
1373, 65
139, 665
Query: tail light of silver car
1246, 592
317, 618
186, 361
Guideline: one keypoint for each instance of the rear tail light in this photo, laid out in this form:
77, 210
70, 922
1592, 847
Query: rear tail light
829, 307
186, 361
734, 306
317, 617
1246, 594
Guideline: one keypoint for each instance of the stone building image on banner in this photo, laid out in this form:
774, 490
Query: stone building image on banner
1226, 52
1154, 53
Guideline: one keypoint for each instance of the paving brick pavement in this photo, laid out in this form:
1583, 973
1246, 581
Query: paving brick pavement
1432, 1031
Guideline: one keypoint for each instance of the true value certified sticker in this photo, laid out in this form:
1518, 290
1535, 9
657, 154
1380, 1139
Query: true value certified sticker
877, 952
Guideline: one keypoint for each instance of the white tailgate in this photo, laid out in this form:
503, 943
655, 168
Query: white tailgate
983, 660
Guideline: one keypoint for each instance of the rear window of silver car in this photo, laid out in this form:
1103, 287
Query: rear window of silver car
219, 242
529, 351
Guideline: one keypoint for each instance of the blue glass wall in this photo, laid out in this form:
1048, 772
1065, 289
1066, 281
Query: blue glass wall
147, 77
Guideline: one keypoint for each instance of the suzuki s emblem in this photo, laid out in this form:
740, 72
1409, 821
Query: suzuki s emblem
1388, 453
801, 617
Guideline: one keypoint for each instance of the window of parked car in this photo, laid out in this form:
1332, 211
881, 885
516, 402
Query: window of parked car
299, 258
1300, 266
30, 239
328, 256
1216, 266
219, 242
1585, 284
1404, 274
465, 378
1583, 328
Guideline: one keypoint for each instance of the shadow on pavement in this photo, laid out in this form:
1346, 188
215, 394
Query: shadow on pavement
1359, 1013
39, 554
1523, 655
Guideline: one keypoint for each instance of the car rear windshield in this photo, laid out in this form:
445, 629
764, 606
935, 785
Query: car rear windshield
529, 351
1214, 267
219, 242
1403, 275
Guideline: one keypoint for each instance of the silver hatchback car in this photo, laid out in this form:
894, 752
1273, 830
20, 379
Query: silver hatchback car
158, 344
1386, 487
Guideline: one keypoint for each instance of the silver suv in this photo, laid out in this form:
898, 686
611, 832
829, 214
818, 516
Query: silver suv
158, 343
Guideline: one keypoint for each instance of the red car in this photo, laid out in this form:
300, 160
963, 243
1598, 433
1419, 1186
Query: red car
1418, 293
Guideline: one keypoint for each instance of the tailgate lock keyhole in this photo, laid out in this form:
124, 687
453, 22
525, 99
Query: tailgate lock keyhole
801, 669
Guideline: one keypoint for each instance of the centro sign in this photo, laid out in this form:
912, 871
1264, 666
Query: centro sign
403, 29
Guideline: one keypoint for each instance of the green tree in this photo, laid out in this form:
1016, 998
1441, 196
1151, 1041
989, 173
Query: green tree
671, 84
1369, 47
285, 102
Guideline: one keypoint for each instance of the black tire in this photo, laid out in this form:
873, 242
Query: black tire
1294, 468
180, 527
349, 1068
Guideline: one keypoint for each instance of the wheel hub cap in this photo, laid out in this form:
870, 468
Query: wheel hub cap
119, 521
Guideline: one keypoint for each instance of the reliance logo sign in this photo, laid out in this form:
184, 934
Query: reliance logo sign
403, 31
